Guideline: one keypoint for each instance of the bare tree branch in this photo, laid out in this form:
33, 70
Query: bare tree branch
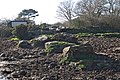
65, 10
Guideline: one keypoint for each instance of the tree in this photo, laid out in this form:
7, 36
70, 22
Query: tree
89, 10
4, 22
94, 12
113, 7
28, 14
65, 11
98, 7
89, 7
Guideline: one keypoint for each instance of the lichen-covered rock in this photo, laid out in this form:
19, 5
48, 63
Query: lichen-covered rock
39, 42
78, 52
41, 38
24, 44
56, 46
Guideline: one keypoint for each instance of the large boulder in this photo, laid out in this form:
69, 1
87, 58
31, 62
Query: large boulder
65, 37
39, 41
78, 52
56, 46
24, 44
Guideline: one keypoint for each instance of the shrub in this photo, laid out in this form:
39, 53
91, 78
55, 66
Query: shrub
21, 32
5, 31
34, 30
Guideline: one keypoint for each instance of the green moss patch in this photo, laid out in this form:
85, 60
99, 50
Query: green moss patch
15, 39
56, 46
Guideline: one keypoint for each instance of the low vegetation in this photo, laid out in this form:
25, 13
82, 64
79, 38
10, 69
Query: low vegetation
98, 35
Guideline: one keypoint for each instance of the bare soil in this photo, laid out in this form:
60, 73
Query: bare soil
33, 64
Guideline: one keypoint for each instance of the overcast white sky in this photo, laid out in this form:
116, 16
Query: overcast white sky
47, 9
